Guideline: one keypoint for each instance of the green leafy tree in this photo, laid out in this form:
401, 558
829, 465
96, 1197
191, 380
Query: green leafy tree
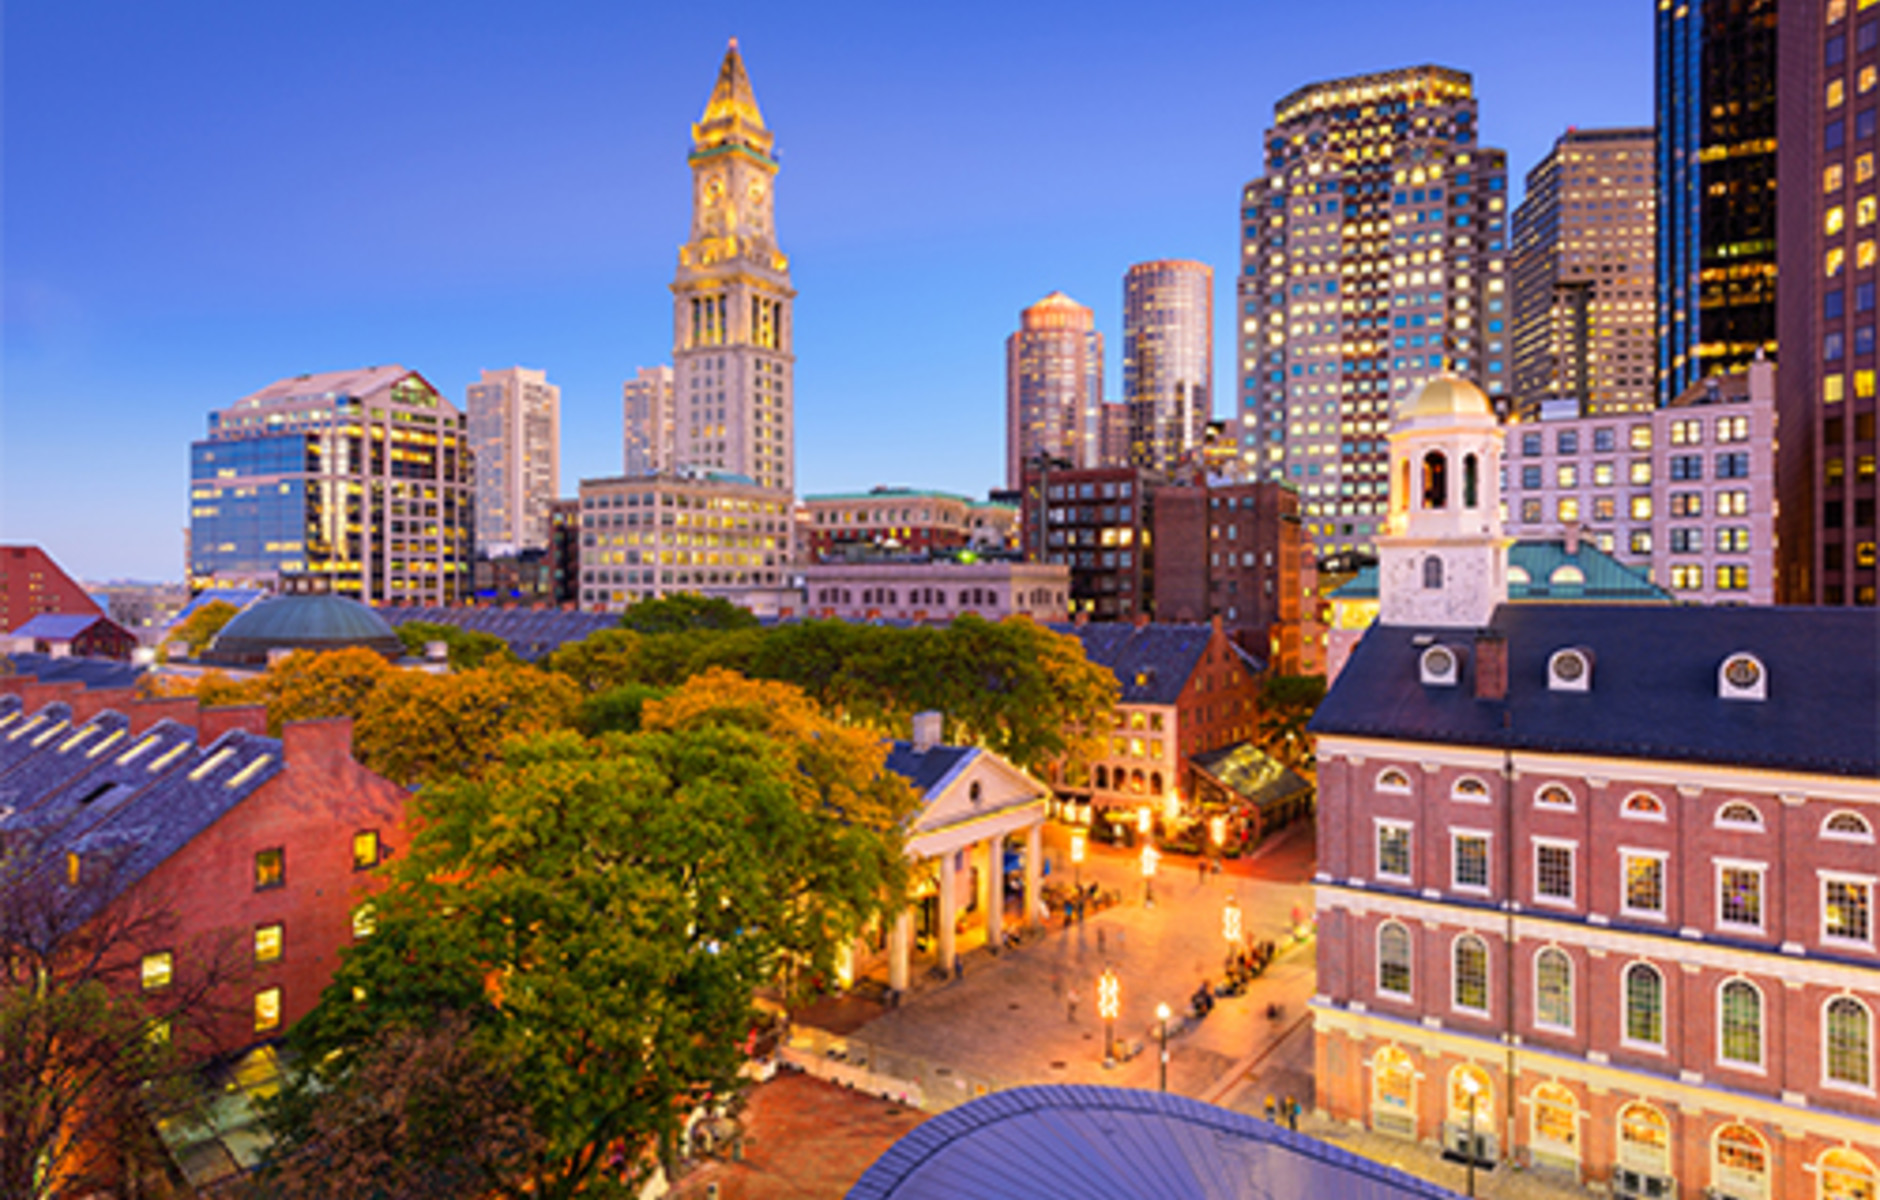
1287, 703
616, 710
416, 728
601, 913
605, 659
467, 648
200, 627
686, 610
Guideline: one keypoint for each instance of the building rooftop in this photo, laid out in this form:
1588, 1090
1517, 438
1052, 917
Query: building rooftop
532, 634
1541, 569
303, 621
1251, 773
1120, 1144
1655, 677
1151, 663
58, 627
92, 672
927, 769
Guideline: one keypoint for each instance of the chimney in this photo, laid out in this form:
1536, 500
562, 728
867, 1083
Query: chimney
1573, 538
1491, 666
927, 728
1140, 620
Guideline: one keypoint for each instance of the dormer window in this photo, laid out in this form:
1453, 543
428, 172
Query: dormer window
1742, 677
1566, 574
1439, 665
1570, 670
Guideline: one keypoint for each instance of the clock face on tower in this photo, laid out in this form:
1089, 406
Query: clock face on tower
758, 192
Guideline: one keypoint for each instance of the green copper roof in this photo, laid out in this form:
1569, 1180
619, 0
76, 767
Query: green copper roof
891, 496
1535, 573
302, 622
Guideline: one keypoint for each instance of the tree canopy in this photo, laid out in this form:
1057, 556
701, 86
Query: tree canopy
686, 610
466, 648
199, 629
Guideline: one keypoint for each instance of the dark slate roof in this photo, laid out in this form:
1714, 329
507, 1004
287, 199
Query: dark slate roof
925, 769
1253, 774
1120, 1144
124, 804
531, 633
57, 627
1152, 663
1654, 687
1538, 558
92, 672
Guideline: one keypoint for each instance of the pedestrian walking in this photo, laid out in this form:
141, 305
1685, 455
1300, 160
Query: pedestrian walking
1292, 1114
959, 969
1201, 870
1272, 1112
1070, 1006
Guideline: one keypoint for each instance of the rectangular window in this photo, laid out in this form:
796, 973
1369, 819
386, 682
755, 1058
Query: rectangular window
1531, 445
1687, 504
1640, 472
1733, 503
1567, 441
1531, 512
1530, 477
1604, 509
1641, 508
1603, 440
268, 939
1567, 475
1553, 871
1733, 466
1393, 850
1470, 854
1567, 508
1603, 474
1739, 895
365, 849
267, 1009
1847, 909
270, 868
1644, 883
156, 971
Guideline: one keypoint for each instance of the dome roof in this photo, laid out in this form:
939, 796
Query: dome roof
1448, 396
302, 622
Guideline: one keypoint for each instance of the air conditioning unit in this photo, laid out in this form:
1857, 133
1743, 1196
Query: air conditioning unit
1637, 1184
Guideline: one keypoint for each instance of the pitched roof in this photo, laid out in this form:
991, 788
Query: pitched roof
1654, 688
361, 382
1250, 772
57, 627
1532, 563
927, 769
92, 672
1118, 1143
1151, 663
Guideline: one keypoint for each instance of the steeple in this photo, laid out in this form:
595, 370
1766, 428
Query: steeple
731, 115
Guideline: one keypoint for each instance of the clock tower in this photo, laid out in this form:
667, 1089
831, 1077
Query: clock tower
1442, 560
732, 330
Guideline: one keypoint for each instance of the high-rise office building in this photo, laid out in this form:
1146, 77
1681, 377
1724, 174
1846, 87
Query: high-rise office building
1830, 224
361, 479
649, 418
1168, 358
1372, 253
1584, 320
1716, 168
515, 431
732, 322
1053, 387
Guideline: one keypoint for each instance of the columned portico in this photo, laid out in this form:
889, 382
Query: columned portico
900, 939
949, 909
995, 892
1034, 874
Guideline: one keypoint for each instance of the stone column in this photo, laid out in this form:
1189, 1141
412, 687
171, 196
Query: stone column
900, 942
995, 892
949, 906
1034, 871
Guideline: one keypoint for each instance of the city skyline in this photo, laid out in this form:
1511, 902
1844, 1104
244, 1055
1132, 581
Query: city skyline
170, 250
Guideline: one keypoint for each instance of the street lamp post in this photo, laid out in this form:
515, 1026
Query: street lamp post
1077, 858
1161, 1015
1230, 922
1149, 859
1470, 1086
1108, 1001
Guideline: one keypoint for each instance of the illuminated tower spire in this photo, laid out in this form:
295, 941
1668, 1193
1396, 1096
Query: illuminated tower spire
732, 115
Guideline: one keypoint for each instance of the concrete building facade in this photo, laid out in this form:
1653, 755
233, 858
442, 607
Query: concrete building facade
361, 477
935, 591
900, 521
1584, 309
515, 433
1053, 387
1168, 359
1372, 258
646, 537
733, 329
650, 419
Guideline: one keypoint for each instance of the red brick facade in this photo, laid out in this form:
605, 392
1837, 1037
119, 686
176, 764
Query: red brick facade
31, 584
1552, 953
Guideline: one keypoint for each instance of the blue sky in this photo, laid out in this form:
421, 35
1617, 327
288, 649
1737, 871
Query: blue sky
202, 198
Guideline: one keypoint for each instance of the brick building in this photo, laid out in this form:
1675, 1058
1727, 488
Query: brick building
894, 520
31, 583
937, 590
1596, 880
76, 635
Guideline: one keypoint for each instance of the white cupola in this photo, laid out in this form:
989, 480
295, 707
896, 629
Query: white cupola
1442, 560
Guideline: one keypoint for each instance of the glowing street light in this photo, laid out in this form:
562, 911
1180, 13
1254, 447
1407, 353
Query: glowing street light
1230, 922
1471, 1086
1161, 1014
1109, 1002
1149, 859
1217, 830
1077, 856
1143, 819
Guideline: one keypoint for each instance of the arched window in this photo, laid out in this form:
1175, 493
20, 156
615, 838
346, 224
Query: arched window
1644, 1139
1394, 1092
1435, 480
1393, 780
1553, 988
1739, 1023
976, 793
1393, 959
1847, 827
1135, 781
1460, 1079
1643, 806
1403, 483
1739, 1162
1155, 783
1556, 1118
1469, 788
1738, 815
1644, 1005
1554, 796
1471, 483
1848, 1028
1103, 777
1469, 981
1432, 572
1844, 1174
